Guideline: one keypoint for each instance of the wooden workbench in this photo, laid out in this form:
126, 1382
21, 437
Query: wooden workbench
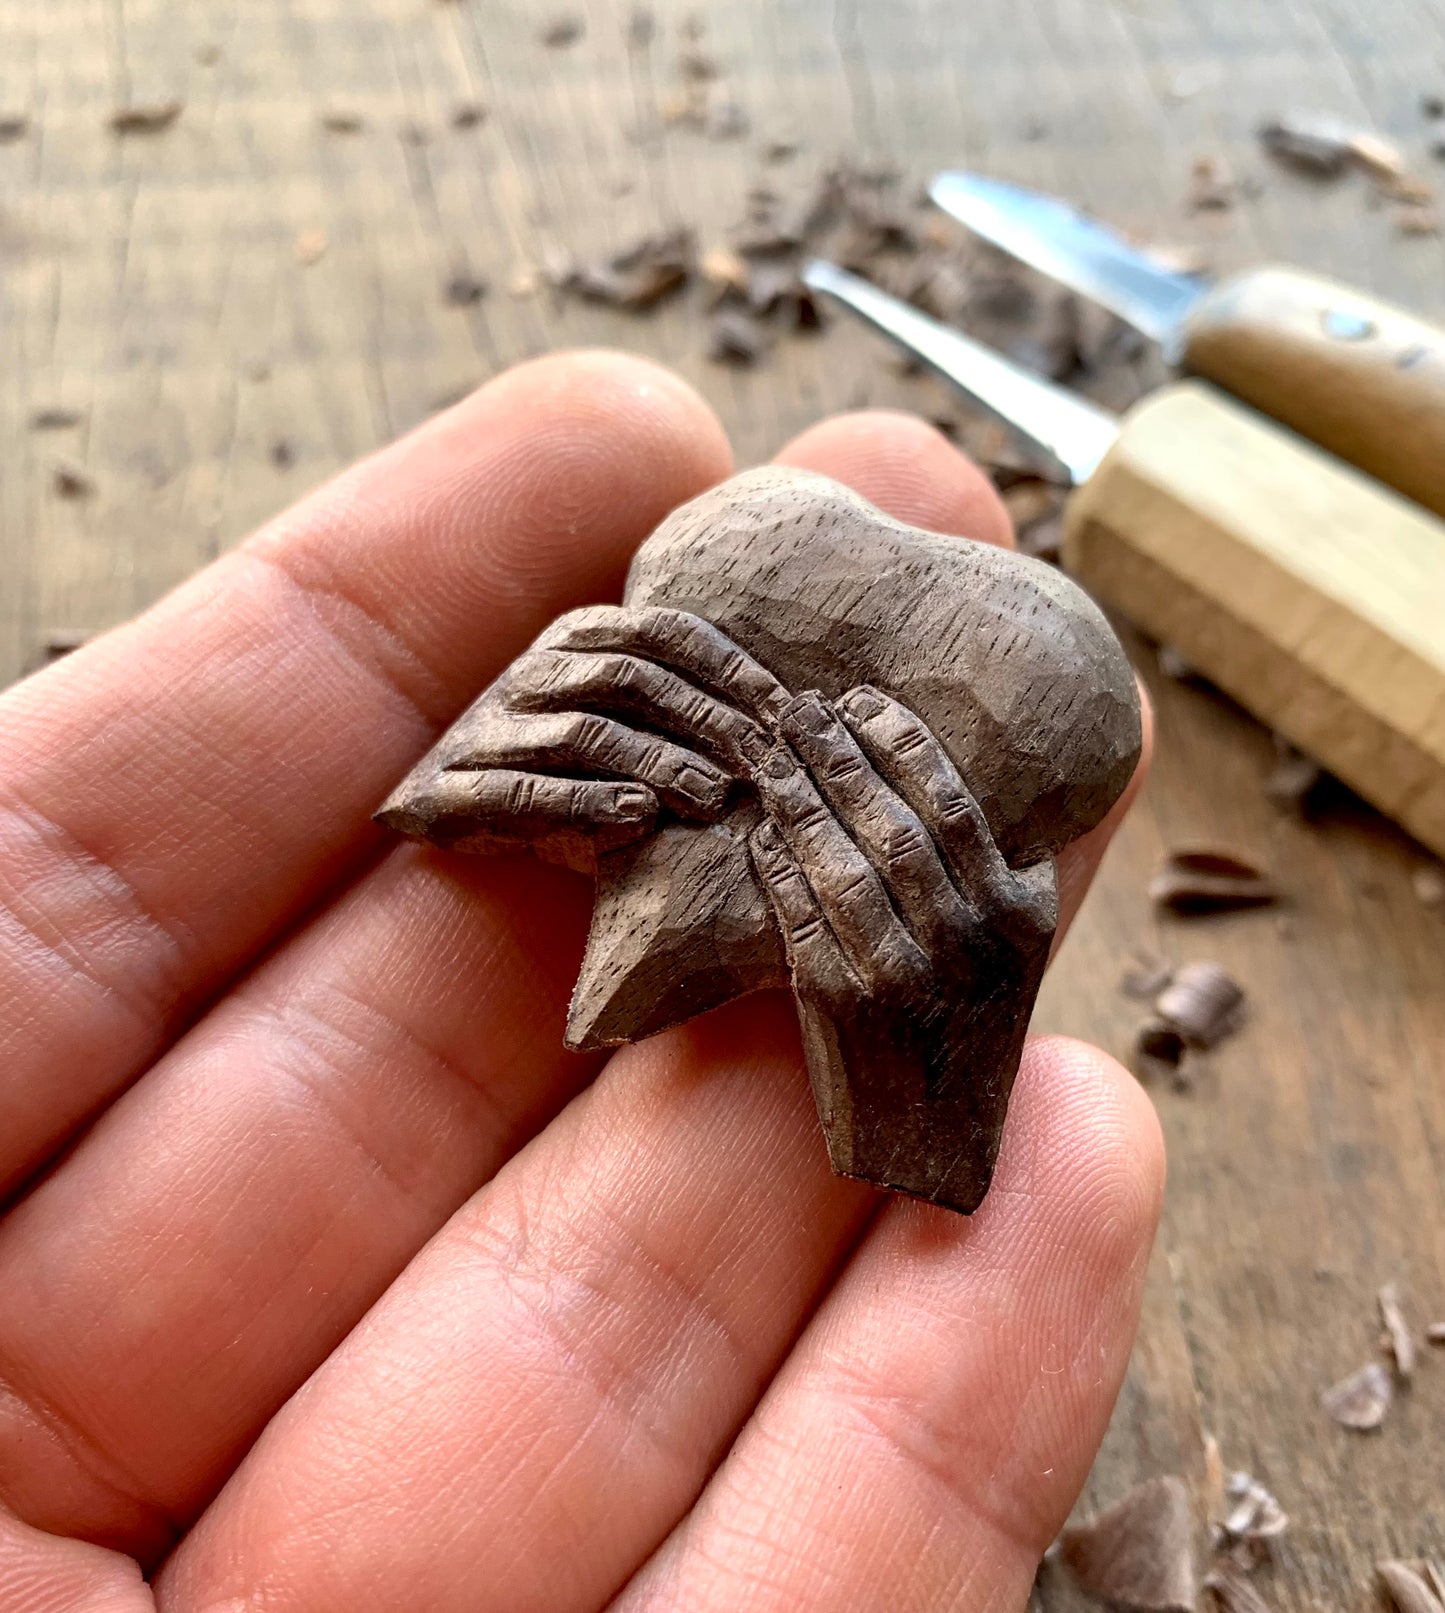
153, 285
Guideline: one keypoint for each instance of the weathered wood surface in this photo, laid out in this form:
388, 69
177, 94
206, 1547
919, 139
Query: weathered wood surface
154, 285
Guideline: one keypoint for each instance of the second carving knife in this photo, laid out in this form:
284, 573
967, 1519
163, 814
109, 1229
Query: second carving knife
1362, 379
1312, 594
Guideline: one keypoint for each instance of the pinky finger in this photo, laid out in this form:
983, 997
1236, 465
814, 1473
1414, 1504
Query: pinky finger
570, 821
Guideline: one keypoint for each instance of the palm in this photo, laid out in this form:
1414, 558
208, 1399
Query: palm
567, 1331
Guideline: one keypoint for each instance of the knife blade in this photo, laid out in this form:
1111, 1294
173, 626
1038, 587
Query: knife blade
1303, 588
1360, 378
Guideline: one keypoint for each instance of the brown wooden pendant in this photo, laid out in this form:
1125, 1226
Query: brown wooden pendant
813, 747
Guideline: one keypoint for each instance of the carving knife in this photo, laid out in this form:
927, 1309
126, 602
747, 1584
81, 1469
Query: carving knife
1310, 592
1362, 379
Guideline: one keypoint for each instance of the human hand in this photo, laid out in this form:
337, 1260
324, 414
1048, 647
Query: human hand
358, 1292
910, 940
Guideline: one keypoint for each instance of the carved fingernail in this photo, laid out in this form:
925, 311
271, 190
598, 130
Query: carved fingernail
634, 803
766, 836
809, 712
754, 744
780, 764
863, 702
707, 789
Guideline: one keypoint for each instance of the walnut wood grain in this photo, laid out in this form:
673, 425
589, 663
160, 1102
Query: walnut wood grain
912, 726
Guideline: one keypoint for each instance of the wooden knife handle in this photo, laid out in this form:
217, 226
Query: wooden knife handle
1310, 593
1362, 379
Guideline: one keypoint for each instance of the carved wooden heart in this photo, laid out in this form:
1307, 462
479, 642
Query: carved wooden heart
1009, 664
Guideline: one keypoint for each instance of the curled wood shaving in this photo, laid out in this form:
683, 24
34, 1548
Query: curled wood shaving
736, 337
145, 118
638, 277
1409, 1590
1308, 143
1146, 978
1361, 1400
1233, 1591
1380, 158
1139, 1553
1398, 1337
1203, 1002
1210, 882
1253, 1513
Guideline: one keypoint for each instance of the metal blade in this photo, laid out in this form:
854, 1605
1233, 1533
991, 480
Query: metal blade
1072, 432
1073, 249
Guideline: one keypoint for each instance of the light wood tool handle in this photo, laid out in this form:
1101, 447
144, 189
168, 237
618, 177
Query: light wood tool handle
1311, 594
1361, 379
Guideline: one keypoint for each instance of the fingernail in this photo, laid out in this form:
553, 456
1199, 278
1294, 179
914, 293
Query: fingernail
809, 712
634, 803
707, 789
780, 763
754, 744
863, 702
766, 836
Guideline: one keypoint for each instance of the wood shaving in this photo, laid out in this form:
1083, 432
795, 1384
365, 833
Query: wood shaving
1139, 1553
736, 337
68, 480
311, 247
464, 290
725, 273
1203, 1002
145, 119
1409, 1590
1145, 979
779, 151
1211, 186
561, 30
1293, 777
13, 126
1232, 1590
641, 27
1361, 1400
1380, 158
1310, 144
1210, 882
282, 455
469, 115
1399, 1340
698, 66
342, 120
54, 419
1253, 1513
639, 276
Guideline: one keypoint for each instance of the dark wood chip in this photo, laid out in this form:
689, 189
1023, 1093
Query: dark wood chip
342, 120
282, 454
1173, 665
1232, 1590
1409, 1589
464, 290
1293, 777
70, 481
54, 419
778, 151
698, 66
1253, 1513
13, 126
1361, 1400
1203, 1002
637, 277
1211, 186
469, 115
1140, 1553
1317, 146
1160, 1049
641, 27
142, 118
1210, 882
1432, 106
58, 642
1146, 978
736, 337
1398, 1338
566, 28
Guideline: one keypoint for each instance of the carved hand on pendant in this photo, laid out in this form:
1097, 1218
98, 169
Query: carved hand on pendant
506, 773
911, 941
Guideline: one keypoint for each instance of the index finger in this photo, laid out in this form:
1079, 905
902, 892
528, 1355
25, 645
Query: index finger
181, 789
